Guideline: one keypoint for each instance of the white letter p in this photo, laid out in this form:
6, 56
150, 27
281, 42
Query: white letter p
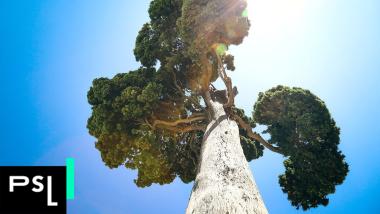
12, 182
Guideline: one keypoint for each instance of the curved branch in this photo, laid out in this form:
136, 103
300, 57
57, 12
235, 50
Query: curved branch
147, 122
193, 101
180, 90
189, 128
176, 84
179, 121
198, 114
227, 81
207, 98
256, 136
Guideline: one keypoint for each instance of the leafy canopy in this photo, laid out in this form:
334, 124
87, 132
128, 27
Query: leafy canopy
301, 125
153, 119
131, 111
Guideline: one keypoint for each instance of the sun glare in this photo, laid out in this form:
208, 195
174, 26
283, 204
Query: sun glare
271, 18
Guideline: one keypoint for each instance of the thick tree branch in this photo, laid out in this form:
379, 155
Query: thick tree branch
175, 126
207, 98
227, 81
188, 128
254, 135
176, 122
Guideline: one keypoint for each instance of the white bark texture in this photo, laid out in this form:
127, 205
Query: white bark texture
224, 183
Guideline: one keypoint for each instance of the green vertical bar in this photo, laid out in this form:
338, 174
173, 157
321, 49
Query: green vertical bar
70, 178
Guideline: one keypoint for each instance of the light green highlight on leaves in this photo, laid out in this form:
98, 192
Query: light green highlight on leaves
221, 49
245, 13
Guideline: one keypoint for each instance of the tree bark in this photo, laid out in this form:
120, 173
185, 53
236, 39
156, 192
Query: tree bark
224, 182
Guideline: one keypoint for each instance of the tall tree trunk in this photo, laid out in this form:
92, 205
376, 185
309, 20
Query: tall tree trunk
224, 183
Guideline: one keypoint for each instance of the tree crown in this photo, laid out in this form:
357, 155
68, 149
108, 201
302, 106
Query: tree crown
153, 119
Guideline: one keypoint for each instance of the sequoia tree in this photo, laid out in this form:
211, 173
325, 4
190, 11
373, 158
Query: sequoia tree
167, 120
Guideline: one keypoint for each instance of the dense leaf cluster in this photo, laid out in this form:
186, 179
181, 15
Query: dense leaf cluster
158, 40
300, 124
120, 107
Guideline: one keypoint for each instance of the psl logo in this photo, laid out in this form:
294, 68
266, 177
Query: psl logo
36, 189
37, 183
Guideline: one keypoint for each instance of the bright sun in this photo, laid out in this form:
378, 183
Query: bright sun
271, 18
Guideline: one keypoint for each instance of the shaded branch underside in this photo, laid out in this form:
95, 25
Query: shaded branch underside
255, 136
190, 119
195, 122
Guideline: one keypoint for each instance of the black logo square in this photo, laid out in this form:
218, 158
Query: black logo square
33, 190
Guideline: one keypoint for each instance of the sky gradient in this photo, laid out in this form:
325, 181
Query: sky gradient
52, 50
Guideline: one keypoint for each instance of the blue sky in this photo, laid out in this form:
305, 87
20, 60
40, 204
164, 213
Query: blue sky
51, 50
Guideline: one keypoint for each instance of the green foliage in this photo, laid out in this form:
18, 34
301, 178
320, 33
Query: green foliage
207, 28
186, 40
123, 104
300, 124
158, 40
147, 47
184, 36
119, 108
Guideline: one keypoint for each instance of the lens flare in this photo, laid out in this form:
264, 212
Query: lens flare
245, 13
220, 48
